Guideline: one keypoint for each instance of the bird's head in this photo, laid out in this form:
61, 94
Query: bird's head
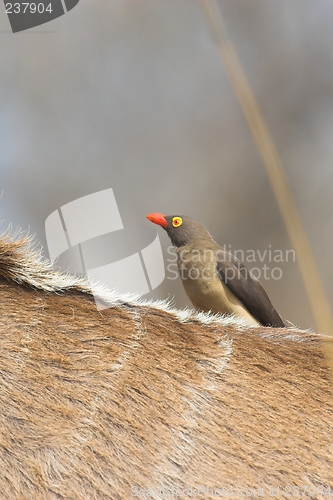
181, 229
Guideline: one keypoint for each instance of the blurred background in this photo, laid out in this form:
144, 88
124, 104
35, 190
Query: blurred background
132, 96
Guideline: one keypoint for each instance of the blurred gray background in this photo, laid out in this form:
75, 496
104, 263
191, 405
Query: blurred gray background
132, 95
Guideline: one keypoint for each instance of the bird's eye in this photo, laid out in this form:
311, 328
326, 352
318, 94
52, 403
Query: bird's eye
177, 221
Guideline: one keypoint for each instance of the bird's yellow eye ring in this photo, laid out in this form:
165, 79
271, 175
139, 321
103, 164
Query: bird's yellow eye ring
177, 221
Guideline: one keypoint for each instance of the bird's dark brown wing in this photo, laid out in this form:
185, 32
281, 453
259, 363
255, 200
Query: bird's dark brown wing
248, 290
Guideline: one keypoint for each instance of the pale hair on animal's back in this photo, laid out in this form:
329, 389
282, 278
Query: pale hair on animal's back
22, 262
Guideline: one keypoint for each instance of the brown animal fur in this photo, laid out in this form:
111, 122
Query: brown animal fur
94, 403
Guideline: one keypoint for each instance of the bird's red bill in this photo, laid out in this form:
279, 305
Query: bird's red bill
158, 219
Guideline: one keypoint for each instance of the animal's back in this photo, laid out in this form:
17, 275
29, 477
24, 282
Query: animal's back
97, 404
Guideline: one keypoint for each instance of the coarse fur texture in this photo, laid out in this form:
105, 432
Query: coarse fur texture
94, 404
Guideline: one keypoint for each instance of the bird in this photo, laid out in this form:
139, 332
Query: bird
214, 279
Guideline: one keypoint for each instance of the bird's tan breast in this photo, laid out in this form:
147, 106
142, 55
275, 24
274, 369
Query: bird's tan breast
204, 288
